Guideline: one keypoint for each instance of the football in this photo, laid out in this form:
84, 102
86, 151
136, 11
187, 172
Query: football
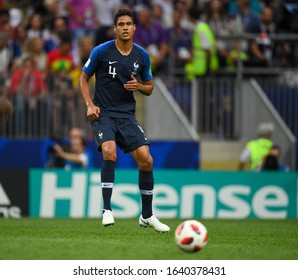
191, 236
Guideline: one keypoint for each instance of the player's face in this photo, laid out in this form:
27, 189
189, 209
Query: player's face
125, 28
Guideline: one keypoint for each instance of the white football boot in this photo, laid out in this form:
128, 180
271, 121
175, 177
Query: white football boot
154, 223
107, 218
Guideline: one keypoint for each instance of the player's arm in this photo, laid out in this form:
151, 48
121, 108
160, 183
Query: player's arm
145, 87
92, 110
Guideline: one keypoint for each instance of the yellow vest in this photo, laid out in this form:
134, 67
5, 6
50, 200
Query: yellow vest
258, 149
199, 65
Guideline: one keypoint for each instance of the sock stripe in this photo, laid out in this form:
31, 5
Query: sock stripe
107, 185
147, 192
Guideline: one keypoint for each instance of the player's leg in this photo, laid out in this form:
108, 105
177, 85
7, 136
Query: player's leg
146, 184
103, 130
108, 149
146, 181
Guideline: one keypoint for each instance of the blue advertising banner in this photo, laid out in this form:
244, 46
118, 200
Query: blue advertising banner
36, 153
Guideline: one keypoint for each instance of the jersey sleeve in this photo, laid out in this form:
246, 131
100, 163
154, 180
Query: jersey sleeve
146, 74
93, 62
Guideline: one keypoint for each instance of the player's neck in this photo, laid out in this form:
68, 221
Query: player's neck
124, 47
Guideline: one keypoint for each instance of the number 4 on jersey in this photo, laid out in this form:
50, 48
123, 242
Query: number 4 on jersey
112, 71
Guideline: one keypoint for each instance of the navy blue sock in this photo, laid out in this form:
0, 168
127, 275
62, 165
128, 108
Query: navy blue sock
107, 182
146, 182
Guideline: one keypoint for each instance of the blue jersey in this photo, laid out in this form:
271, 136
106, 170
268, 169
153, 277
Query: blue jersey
112, 70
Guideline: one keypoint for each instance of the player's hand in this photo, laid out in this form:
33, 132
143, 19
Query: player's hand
93, 112
132, 84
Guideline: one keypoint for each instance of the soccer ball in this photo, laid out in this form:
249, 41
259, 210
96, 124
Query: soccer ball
191, 236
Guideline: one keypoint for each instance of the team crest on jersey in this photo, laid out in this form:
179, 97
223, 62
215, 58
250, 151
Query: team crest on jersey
136, 66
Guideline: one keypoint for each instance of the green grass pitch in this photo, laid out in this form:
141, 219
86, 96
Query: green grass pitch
87, 239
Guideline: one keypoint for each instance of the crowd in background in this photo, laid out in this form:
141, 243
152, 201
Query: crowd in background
43, 45
53, 29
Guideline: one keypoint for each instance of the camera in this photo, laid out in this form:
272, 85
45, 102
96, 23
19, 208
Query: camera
53, 160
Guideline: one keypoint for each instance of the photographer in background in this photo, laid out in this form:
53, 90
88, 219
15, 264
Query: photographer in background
256, 149
60, 150
77, 156
272, 161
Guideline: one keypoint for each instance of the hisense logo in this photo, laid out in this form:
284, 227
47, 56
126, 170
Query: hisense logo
6, 210
78, 194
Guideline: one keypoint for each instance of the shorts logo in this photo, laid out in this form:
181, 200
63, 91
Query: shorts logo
100, 134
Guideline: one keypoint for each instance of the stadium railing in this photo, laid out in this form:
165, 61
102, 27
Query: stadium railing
214, 110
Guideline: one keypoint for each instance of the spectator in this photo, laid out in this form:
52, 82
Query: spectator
59, 30
81, 18
6, 51
85, 47
164, 11
272, 160
27, 89
254, 5
236, 54
74, 133
256, 150
157, 13
59, 66
56, 8
134, 3
60, 60
183, 7
245, 19
36, 28
153, 37
32, 7
19, 42
78, 156
221, 25
180, 47
34, 48
16, 17
205, 59
261, 50
105, 11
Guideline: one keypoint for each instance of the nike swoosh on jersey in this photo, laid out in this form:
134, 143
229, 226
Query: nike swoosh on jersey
112, 62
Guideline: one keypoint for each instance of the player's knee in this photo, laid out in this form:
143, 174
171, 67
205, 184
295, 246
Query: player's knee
109, 153
146, 163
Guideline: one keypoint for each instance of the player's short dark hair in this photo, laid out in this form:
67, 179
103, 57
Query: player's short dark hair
121, 13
